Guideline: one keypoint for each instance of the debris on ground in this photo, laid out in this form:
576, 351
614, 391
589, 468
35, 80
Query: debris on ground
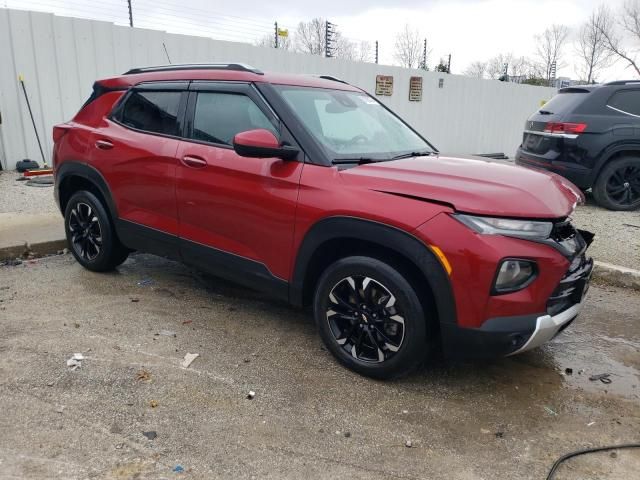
166, 333
178, 469
135, 299
550, 411
568, 371
251, 395
408, 444
186, 322
75, 361
145, 282
590, 423
347, 434
59, 409
150, 435
499, 434
143, 375
485, 431
153, 403
188, 359
603, 377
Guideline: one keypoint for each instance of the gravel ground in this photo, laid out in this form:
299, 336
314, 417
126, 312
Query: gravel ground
18, 197
615, 242
509, 418
617, 234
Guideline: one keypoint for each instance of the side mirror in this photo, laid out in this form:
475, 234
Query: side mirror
261, 143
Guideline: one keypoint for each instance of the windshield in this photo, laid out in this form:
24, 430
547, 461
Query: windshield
351, 124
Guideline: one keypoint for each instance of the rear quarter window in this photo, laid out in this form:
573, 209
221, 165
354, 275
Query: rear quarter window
151, 111
626, 101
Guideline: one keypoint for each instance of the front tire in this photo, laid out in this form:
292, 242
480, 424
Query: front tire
618, 185
90, 234
370, 318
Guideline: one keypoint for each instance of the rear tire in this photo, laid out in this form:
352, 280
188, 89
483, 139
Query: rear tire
618, 185
91, 235
370, 318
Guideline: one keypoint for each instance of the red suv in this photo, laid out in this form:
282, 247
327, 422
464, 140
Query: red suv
311, 189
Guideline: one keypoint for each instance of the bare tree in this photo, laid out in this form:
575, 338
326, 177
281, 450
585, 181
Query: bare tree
629, 22
593, 53
476, 69
549, 49
498, 66
409, 48
310, 36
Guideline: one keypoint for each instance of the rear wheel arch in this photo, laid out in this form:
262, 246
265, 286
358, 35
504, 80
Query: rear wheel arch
337, 237
608, 156
73, 177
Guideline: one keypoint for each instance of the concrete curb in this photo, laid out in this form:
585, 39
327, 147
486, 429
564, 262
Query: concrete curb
616, 275
38, 249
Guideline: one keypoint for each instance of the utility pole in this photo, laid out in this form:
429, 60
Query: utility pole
329, 30
449, 65
424, 55
276, 24
130, 13
376, 51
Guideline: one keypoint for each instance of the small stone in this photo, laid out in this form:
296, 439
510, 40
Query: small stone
153, 403
347, 434
568, 371
499, 434
408, 444
150, 435
119, 446
135, 300
485, 431
613, 454
49, 384
251, 395
60, 409
405, 411
247, 360
337, 432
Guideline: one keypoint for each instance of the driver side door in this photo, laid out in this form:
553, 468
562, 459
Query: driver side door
235, 214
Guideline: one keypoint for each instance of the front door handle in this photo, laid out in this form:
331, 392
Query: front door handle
104, 144
194, 162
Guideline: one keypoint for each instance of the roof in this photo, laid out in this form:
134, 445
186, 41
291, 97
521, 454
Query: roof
221, 72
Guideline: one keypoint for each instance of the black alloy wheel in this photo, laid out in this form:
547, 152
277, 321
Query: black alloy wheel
370, 317
618, 185
364, 319
86, 234
91, 235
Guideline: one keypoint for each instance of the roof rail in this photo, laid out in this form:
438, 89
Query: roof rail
329, 77
239, 67
624, 82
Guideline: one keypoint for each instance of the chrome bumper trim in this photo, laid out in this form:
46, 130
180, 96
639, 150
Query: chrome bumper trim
547, 327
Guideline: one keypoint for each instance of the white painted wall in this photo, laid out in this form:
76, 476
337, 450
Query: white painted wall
61, 57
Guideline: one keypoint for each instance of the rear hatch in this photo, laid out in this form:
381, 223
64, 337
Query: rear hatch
545, 131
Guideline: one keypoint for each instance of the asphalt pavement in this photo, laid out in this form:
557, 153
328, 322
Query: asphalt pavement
130, 410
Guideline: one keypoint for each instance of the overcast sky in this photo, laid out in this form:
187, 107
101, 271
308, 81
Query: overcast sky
468, 29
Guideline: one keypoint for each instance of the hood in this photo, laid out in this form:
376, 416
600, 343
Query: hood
472, 185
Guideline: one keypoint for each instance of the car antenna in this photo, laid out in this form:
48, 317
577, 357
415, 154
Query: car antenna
166, 53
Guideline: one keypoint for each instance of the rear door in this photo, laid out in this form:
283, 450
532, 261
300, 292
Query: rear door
135, 150
236, 214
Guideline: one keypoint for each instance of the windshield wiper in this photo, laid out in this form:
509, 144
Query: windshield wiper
357, 160
412, 154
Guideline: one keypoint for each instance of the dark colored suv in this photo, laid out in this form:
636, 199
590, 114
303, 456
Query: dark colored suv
310, 189
590, 135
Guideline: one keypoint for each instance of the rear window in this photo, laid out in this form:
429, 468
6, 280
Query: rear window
155, 112
564, 102
626, 101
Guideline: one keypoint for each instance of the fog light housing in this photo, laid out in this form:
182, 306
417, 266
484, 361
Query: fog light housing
514, 274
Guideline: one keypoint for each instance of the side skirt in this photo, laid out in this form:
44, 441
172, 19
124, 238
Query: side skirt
222, 264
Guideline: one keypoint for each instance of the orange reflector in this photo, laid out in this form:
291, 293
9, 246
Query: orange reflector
443, 260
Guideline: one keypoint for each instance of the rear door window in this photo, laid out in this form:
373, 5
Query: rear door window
626, 101
220, 116
151, 111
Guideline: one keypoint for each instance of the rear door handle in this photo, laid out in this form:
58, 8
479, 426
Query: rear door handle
194, 162
104, 144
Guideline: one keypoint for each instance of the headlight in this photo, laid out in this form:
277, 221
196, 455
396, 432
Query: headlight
507, 226
514, 275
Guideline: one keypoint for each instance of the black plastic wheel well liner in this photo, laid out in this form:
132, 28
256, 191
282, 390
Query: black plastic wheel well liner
337, 237
75, 176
